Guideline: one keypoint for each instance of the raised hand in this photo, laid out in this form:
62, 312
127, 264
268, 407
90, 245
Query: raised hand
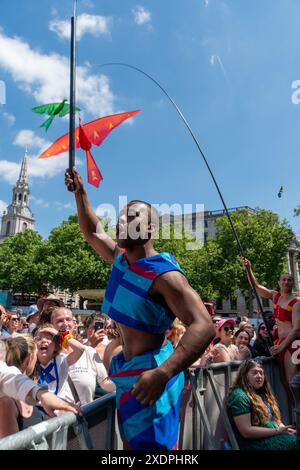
77, 181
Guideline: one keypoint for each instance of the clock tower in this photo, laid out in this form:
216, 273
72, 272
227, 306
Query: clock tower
18, 217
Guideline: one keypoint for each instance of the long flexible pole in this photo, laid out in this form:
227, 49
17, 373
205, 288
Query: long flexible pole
213, 178
71, 187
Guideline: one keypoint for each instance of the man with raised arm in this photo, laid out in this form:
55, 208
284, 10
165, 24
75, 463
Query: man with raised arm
145, 292
287, 316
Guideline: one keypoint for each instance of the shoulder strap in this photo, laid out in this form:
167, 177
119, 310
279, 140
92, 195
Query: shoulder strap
276, 298
293, 302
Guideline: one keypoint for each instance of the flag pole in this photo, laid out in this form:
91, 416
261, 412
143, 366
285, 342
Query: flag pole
71, 187
251, 282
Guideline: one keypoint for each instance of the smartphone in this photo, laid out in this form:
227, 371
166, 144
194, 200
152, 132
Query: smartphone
99, 325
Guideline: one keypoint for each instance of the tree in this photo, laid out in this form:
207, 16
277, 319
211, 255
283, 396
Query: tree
69, 262
265, 241
20, 269
189, 260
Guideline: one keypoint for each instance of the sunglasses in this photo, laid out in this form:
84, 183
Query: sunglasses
263, 328
15, 319
228, 328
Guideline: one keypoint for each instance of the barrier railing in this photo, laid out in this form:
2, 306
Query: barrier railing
95, 429
204, 423
204, 420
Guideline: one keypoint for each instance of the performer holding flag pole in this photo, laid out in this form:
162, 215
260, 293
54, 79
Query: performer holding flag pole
71, 187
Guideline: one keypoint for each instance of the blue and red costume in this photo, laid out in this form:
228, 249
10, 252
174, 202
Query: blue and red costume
127, 301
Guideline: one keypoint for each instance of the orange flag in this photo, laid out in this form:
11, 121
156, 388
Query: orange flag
86, 135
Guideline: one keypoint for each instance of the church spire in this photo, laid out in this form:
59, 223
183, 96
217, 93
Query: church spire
23, 178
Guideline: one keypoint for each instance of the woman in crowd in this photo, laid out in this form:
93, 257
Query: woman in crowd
254, 412
242, 341
261, 346
52, 366
175, 333
223, 349
12, 323
15, 415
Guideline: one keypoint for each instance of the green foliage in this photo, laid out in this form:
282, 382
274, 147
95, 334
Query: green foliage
20, 269
189, 260
70, 263
265, 241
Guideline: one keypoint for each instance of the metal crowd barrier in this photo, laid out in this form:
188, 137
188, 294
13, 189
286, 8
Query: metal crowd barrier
204, 424
204, 421
94, 430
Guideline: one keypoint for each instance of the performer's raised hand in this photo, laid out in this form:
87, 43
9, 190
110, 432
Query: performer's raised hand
246, 263
77, 181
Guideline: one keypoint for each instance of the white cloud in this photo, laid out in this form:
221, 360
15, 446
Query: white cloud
46, 77
206, 2
141, 15
28, 138
10, 118
60, 206
3, 207
37, 168
39, 201
93, 24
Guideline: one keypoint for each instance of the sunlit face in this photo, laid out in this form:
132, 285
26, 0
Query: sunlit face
242, 338
226, 333
133, 225
286, 283
14, 323
256, 376
45, 347
62, 318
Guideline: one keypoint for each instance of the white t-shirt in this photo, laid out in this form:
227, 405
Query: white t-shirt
13, 383
84, 373
58, 371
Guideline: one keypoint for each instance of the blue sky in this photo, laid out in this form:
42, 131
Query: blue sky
229, 65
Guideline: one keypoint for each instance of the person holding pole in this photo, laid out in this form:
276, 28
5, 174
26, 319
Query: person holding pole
287, 316
145, 292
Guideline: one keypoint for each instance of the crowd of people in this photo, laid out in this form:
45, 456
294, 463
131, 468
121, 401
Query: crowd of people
58, 353
153, 327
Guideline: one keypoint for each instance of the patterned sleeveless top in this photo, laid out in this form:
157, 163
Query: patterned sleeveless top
283, 314
127, 300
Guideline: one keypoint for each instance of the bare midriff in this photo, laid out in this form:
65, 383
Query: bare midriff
137, 342
284, 328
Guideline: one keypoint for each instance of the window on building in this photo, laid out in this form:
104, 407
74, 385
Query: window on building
24, 226
7, 229
233, 304
20, 197
25, 198
205, 237
15, 197
265, 302
205, 223
194, 222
